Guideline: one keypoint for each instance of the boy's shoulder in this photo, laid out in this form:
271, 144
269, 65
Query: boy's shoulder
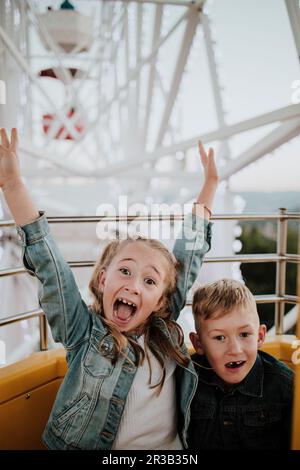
276, 373
274, 366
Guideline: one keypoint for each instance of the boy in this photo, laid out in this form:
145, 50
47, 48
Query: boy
244, 396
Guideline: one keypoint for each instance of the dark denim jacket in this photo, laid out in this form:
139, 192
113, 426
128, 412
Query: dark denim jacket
255, 414
90, 402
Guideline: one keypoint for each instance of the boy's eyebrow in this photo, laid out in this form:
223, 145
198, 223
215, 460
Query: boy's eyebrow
240, 328
245, 326
150, 265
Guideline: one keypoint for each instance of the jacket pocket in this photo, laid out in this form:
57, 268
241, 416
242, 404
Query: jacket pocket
95, 363
71, 422
261, 418
72, 410
261, 429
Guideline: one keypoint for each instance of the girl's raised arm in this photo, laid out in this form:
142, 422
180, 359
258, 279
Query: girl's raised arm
59, 297
194, 238
15, 192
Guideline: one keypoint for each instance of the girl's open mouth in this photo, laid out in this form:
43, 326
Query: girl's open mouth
123, 310
234, 364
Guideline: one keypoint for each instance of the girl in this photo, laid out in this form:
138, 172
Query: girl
126, 356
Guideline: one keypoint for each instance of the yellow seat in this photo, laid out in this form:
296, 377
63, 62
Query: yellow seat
27, 392
28, 389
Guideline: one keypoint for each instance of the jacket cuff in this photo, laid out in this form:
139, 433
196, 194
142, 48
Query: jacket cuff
196, 222
34, 231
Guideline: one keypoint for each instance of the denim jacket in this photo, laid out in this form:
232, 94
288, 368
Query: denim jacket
255, 414
90, 402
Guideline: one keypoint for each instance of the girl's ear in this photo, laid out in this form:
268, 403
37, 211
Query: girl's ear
261, 334
196, 343
102, 277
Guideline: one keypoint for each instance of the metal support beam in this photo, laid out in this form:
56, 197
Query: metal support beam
152, 69
292, 7
25, 67
286, 113
39, 154
280, 272
190, 29
224, 150
103, 110
267, 144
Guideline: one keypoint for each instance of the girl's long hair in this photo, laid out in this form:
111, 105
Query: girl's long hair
163, 346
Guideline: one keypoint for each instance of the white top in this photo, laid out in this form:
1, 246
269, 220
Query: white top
149, 420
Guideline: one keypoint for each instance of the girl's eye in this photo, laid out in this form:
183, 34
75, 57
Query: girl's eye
150, 281
125, 271
245, 334
220, 338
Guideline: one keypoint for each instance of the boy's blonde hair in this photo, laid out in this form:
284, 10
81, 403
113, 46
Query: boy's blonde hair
219, 298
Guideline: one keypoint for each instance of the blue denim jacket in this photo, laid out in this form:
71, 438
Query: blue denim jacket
255, 414
90, 402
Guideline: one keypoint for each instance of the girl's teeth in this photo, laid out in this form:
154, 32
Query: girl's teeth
126, 302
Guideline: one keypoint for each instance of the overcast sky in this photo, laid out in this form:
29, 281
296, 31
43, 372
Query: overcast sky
258, 63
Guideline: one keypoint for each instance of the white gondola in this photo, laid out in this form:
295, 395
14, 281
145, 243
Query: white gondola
69, 29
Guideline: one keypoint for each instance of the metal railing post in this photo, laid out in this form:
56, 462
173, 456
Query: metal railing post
43, 333
280, 271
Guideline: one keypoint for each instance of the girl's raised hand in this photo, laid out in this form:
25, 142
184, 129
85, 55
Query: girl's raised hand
208, 162
9, 163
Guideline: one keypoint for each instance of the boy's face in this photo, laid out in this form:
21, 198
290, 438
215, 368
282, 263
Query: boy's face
230, 343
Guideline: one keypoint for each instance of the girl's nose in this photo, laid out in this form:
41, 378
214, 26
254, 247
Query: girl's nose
133, 287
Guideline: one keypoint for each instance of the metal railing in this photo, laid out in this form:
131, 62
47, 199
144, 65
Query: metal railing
281, 258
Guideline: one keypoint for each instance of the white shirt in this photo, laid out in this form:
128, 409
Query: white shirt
149, 420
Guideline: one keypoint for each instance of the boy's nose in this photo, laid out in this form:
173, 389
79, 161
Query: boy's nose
234, 347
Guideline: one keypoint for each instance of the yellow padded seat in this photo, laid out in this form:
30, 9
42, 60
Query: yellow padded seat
27, 392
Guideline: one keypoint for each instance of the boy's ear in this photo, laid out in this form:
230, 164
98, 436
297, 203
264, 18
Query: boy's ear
196, 343
261, 334
102, 277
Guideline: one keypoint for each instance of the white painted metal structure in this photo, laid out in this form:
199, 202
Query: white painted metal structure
128, 98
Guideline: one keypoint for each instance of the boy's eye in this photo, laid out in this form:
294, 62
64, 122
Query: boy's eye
245, 334
150, 281
220, 338
125, 271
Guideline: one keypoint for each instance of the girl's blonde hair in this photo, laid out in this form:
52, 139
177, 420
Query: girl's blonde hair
159, 344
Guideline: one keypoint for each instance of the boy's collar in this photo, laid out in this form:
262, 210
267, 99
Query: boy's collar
252, 384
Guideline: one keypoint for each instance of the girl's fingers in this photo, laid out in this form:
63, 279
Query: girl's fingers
14, 139
4, 139
210, 153
202, 152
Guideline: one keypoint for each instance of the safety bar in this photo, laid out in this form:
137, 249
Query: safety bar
281, 258
160, 217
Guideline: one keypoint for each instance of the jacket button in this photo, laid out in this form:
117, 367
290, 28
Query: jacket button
227, 423
106, 347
